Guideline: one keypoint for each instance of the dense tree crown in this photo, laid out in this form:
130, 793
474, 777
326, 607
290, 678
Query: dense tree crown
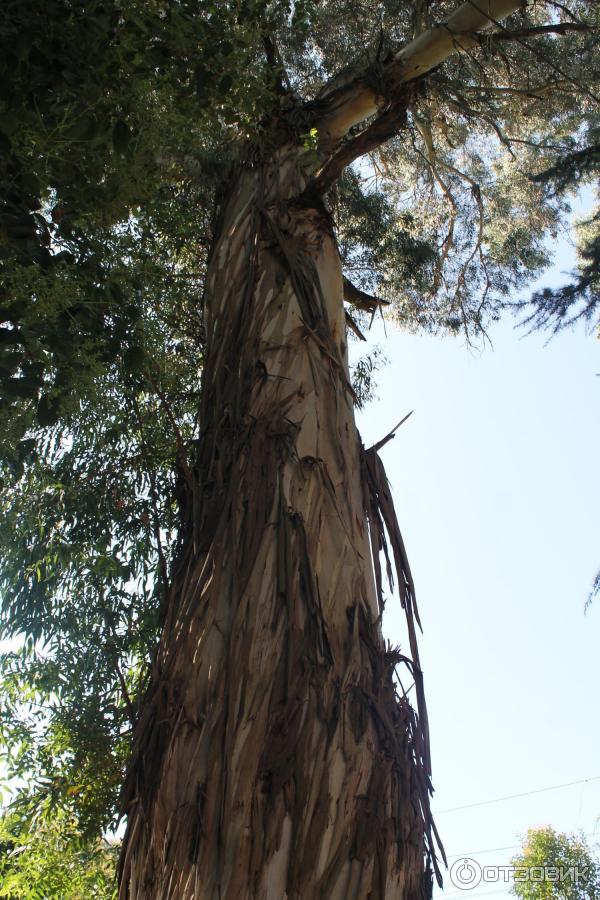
120, 125
570, 868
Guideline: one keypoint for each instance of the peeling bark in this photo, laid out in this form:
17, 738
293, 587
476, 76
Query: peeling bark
274, 757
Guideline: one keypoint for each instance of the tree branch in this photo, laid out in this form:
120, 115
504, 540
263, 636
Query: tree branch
534, 31
385, 126
359, 98
353, 326
274, 62
360, 299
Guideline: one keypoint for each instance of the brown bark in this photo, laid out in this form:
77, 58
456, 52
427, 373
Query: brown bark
274, 757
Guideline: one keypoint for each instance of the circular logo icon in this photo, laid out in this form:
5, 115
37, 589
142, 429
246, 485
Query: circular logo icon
465, 874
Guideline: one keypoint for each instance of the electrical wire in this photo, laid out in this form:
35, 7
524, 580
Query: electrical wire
471, 853
553, 787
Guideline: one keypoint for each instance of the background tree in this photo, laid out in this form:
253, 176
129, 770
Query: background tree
550, 850
51, 859
124, 127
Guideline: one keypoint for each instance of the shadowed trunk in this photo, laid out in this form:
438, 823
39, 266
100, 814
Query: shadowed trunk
273, 757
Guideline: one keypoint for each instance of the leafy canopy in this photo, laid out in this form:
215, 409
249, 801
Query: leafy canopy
120, 122
571, 870
51, 860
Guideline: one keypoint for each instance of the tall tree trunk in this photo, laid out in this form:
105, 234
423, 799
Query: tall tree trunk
274, 757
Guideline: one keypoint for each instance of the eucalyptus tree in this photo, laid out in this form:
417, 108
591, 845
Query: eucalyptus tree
201, 203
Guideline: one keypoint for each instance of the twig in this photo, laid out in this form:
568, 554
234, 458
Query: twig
353, 326
392, 434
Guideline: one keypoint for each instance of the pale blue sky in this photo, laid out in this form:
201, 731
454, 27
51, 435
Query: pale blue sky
495, 478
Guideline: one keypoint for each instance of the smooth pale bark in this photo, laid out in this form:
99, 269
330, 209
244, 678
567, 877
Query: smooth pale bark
359, 99
273, 758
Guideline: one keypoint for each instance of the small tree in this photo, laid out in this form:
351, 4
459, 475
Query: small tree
49, 859
570, 870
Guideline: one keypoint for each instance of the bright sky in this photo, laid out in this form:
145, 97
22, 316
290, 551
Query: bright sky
495, 479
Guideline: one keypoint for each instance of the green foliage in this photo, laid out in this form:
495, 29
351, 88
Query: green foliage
116, 126
88, 530
573, 165
110, 116
382, 251
363, 376
551, 850
571, 169
48, 861
559, 308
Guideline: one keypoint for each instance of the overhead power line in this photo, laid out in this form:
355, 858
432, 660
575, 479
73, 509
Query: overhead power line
471, 853
553, 787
